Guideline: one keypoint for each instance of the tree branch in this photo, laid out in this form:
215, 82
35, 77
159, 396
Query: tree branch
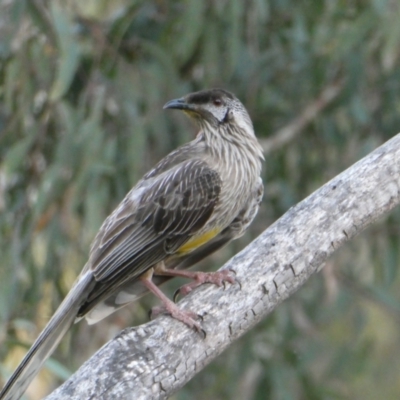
154, 360
312, 110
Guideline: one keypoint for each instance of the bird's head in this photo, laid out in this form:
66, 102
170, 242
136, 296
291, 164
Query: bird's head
213, 107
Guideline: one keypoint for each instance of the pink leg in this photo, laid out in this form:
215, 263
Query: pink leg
187, 317
217, 278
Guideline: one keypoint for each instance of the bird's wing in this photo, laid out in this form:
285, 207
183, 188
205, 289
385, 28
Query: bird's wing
188, 260
233, 231
153, 221
132, 290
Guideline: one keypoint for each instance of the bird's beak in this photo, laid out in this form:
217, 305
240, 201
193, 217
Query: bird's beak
178, 104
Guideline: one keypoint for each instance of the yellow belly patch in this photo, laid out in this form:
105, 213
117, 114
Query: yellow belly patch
197, 241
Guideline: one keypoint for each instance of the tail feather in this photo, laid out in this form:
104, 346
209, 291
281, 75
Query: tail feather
47, 340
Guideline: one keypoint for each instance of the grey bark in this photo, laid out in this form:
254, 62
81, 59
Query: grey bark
154, 360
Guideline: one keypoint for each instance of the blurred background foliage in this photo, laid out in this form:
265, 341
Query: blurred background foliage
82, 85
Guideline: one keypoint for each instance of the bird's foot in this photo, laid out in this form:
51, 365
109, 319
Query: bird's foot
169, 307
217, 278
187, 317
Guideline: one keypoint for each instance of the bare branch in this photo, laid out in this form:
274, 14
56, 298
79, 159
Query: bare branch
154, 360
294, 128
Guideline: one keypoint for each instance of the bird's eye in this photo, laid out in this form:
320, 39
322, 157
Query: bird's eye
217, 102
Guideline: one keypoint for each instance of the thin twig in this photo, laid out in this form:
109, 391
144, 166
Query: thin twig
294, 128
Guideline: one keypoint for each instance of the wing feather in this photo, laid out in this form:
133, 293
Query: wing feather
155, 219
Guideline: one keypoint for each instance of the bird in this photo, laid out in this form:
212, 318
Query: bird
191, 203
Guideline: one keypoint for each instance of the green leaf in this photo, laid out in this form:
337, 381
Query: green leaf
17, 155
192, 23
70, 52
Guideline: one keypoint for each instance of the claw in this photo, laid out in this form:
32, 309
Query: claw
235, 279
232, 270
204, 333
176, 294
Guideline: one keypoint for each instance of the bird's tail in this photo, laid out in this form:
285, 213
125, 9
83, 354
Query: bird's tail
47, 340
